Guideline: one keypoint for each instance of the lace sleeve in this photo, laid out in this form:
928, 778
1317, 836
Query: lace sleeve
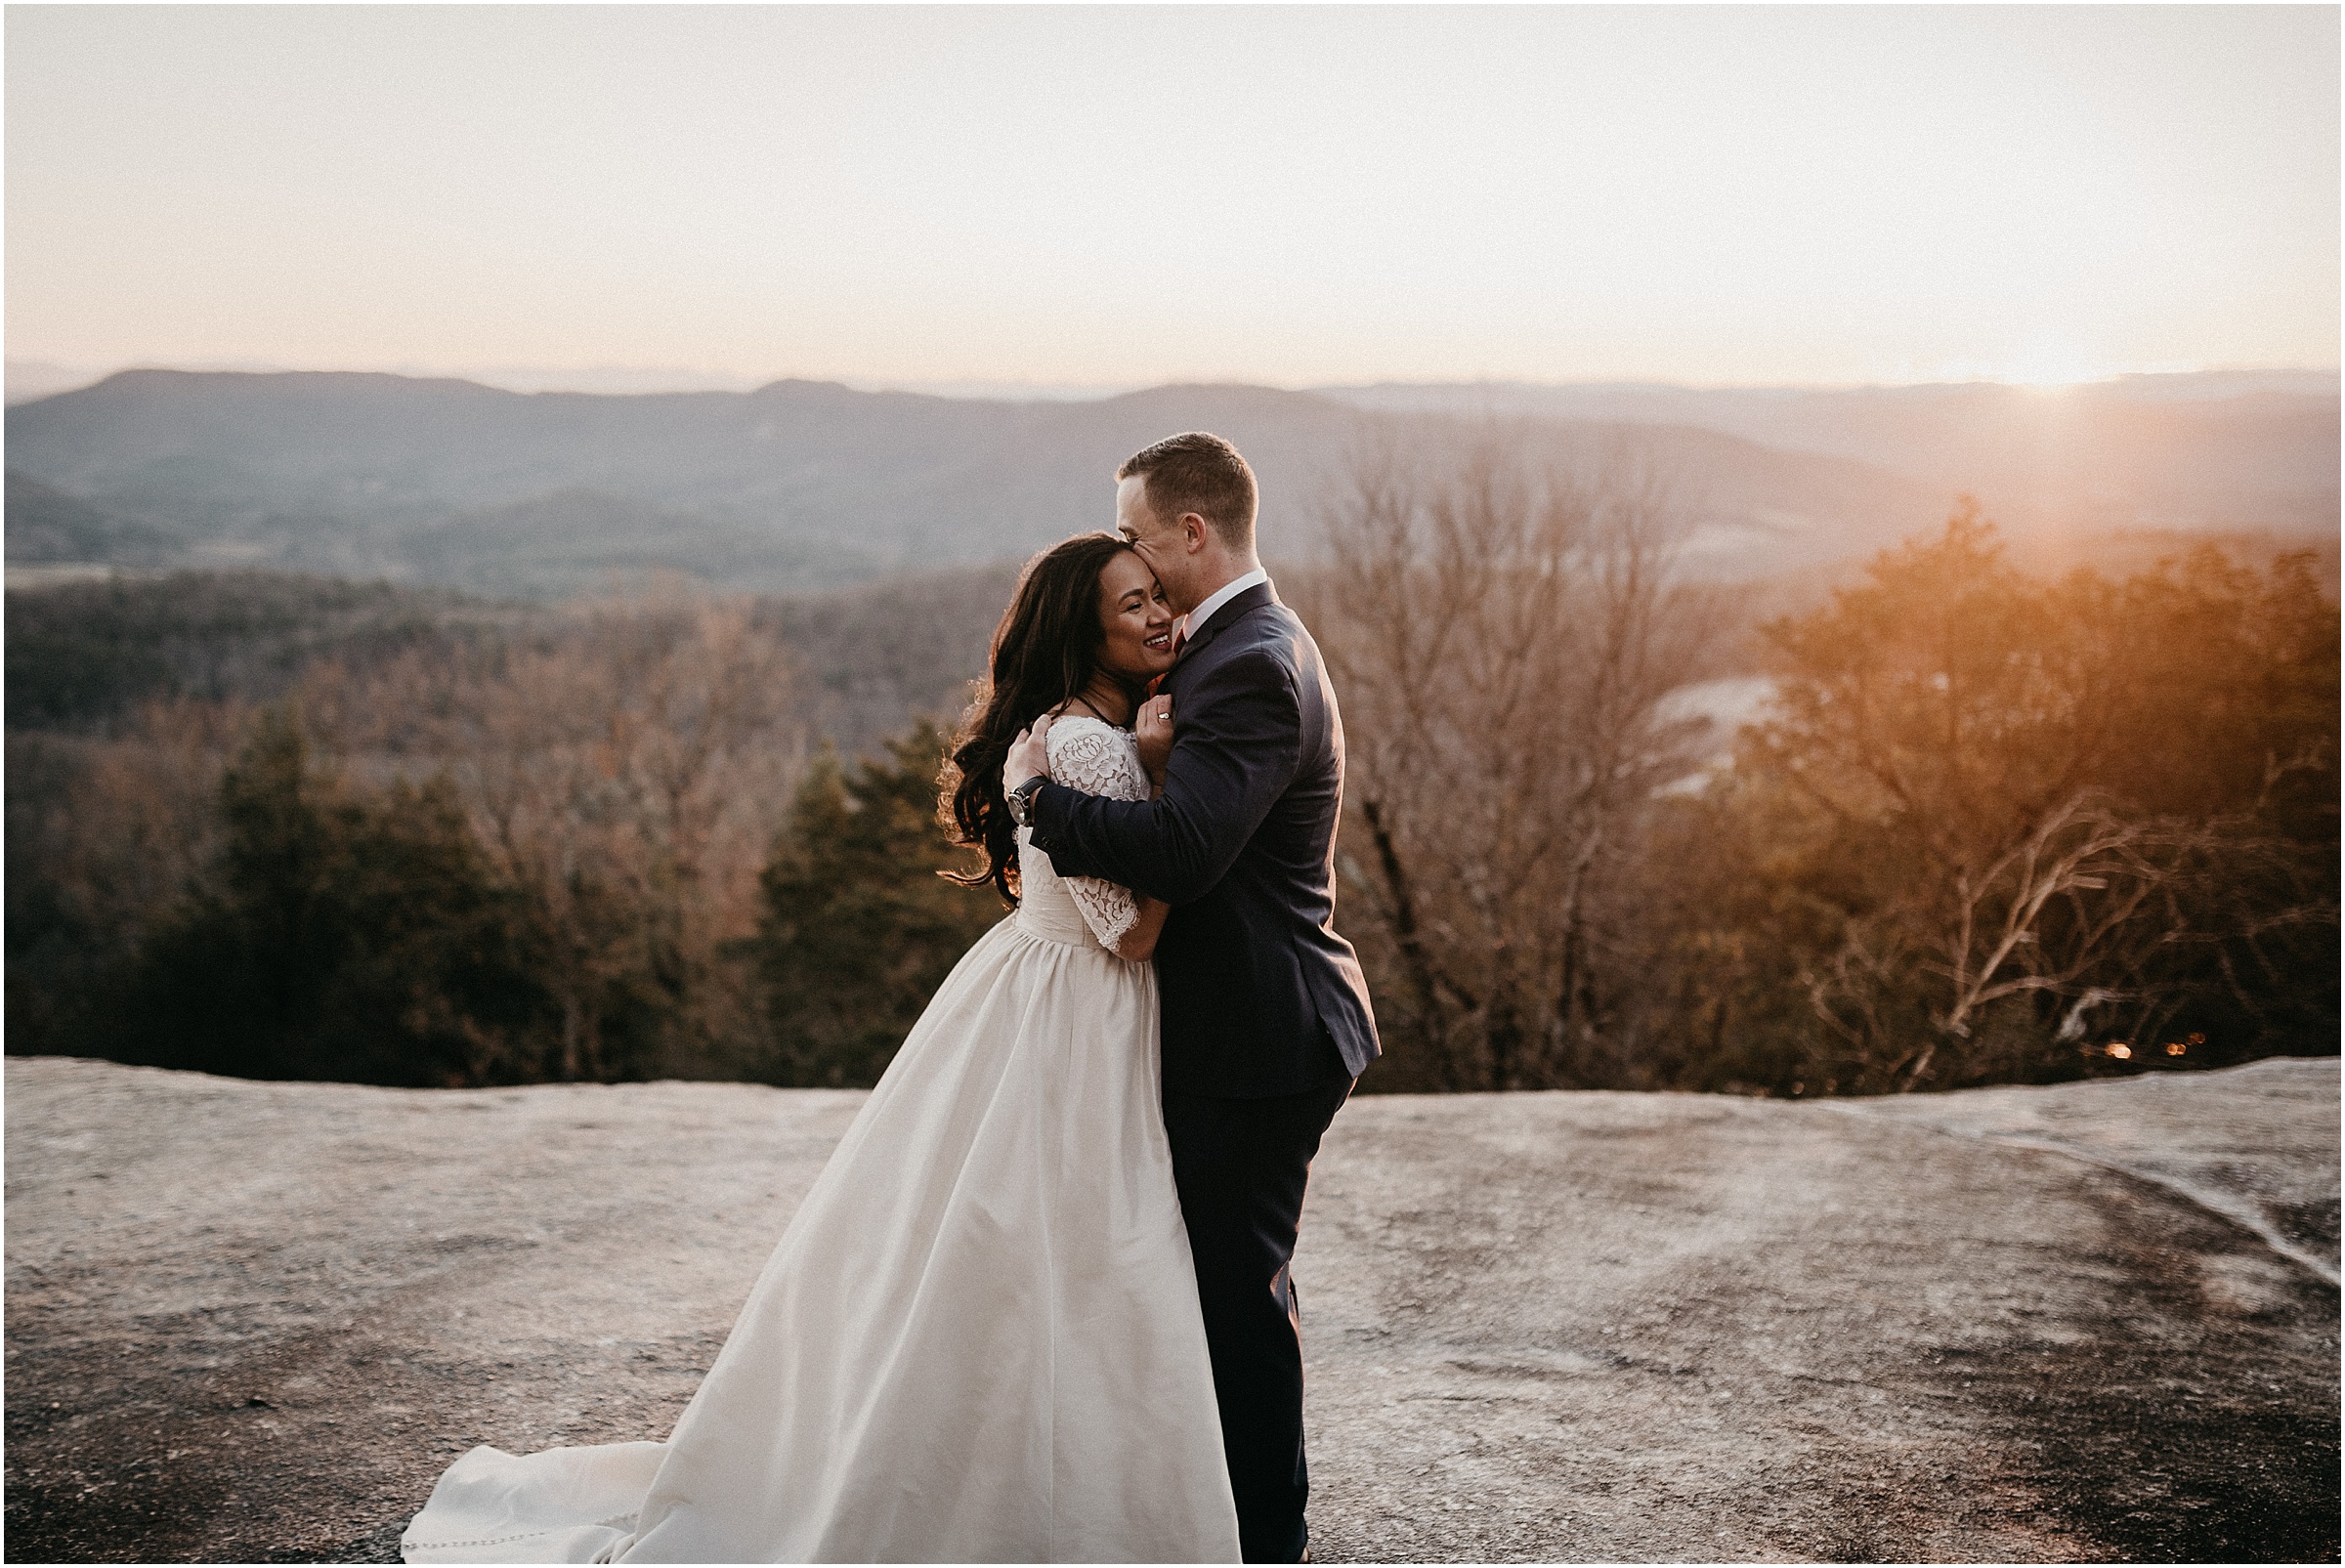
1100, 760
1096, 759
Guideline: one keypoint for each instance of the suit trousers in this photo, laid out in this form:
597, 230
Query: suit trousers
1241, 1167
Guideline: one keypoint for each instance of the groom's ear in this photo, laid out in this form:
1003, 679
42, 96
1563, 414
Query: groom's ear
1194, 531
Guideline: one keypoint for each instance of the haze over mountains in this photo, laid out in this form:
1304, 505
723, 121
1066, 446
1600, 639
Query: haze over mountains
801, 485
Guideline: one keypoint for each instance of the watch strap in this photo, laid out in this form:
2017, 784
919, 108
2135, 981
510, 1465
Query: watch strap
1021, 808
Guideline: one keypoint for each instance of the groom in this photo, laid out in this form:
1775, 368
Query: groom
1265, 1012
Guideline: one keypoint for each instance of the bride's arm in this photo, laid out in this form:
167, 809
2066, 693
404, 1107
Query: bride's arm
1127, 922
1139, 945
1240, 744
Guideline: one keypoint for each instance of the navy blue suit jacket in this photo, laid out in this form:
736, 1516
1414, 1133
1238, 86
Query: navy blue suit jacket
1260, 996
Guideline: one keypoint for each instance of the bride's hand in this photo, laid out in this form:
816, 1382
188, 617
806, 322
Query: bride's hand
1028, 756
1152, 727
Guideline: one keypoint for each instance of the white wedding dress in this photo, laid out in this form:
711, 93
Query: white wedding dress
977, 1340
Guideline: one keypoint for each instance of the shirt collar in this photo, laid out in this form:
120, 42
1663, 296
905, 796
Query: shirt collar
1221, 596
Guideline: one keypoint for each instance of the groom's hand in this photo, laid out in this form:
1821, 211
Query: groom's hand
1028, 756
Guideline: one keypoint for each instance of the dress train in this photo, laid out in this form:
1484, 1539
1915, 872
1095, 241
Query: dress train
978, 1339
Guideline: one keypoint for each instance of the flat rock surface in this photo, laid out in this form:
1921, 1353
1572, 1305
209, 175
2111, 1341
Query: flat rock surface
253, 1320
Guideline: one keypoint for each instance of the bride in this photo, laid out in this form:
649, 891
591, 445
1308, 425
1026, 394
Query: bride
979, 1337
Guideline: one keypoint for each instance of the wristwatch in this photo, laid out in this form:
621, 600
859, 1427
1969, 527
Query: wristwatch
1021, 800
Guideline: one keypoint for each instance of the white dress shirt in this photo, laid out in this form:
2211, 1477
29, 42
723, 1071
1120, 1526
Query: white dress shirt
1220, 596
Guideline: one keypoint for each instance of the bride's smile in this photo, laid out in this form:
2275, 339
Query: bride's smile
1136, 620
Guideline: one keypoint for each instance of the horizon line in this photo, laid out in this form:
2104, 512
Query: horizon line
57, 379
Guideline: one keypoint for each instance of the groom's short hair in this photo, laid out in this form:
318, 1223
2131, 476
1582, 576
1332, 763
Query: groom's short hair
1195, 472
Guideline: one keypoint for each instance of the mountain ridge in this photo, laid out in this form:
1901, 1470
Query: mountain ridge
802, 484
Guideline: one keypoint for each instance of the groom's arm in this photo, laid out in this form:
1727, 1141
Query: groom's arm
1238, 740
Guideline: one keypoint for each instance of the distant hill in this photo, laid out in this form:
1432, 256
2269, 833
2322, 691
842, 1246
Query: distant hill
2219, 450
798, 484
804, 484
46, 525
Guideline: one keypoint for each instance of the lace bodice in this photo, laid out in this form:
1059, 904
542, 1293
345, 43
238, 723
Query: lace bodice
1100, 759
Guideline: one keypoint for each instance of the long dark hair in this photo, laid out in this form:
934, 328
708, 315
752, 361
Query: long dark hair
1045, 651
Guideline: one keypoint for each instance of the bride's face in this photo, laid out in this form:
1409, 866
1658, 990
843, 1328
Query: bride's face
1136, 620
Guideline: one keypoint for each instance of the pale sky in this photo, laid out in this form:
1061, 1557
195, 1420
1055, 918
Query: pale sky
1133, 194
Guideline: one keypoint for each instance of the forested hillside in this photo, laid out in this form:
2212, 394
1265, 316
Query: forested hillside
598, 737
291, 826
86, 658
1992, 825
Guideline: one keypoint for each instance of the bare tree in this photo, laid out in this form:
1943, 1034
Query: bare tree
105, 834
1503, 620
1978, 728
627, 766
